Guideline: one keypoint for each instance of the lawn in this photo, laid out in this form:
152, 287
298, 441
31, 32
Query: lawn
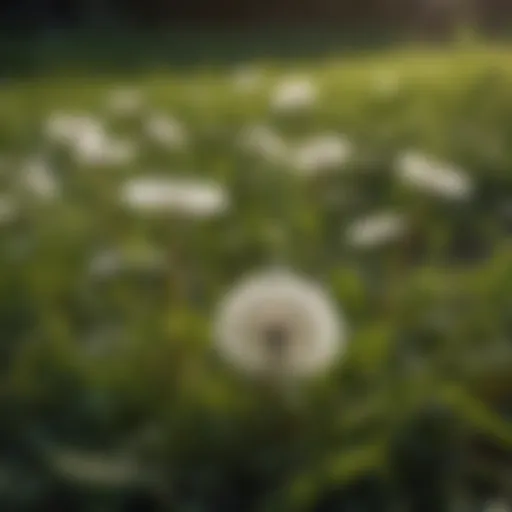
385, 177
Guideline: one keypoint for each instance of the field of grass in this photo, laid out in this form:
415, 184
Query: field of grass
113, 396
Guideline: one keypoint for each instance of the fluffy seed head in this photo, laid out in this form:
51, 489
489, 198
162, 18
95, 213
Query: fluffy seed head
424, 173
262, 141
166, 131
187, 197
278, 324
321, 153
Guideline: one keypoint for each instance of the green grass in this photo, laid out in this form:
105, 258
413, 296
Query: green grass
218, 439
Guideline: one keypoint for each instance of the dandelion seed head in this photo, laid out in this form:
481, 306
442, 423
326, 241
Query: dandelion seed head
57, 126
321, 153
261, 140
67, 128
278, 323
431, 176
97, 148
88, 143
181, 196
166, 131
376, 230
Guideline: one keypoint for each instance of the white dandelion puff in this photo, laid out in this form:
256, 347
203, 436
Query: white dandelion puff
88, 141
125, 101
89, 146
434, 177
166, 131
321, 153
376, 230
187, 197
66, 128
39, 179
57, 126
262, 141
97, 148
278, 324
294, 94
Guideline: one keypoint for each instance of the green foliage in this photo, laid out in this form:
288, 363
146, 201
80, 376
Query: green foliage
111, 395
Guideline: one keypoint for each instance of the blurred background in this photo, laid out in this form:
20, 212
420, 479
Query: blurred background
46, 31
153, 154
383, 13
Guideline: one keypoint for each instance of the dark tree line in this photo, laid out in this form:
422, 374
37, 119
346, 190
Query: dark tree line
39, 13
154, 13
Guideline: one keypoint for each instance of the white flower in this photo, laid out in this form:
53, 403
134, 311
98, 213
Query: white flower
174, 195
320, 153
437, 178
88, 141
88, 146
294, 94
376, 230
246, 79
8, 209
96, 148
57, 126
278, 324
39, 179
166, 131
66, 128
263, 141
125, 101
